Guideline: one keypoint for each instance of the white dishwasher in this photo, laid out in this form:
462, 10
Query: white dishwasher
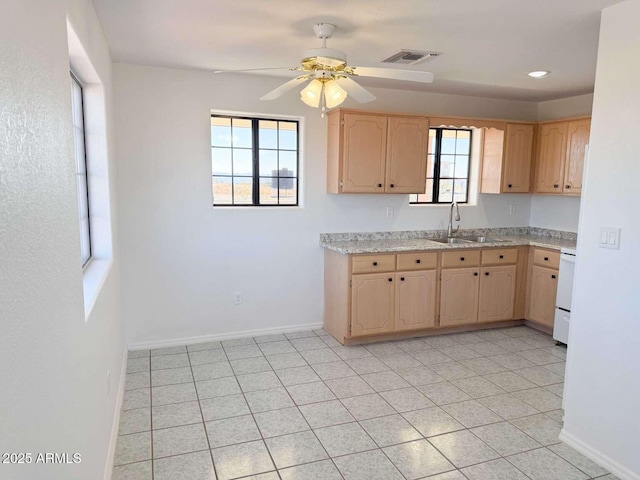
563, 299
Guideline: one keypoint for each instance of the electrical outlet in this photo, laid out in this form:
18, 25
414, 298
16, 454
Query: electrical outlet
237, 298
390, 212
512, 209
108, 382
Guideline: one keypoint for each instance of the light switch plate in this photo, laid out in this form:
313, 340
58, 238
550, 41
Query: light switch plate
609, 238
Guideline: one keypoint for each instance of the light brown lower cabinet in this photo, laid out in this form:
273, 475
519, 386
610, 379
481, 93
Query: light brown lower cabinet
415, 300
459, 289
384, 293
372, 304
497, 293
543, 286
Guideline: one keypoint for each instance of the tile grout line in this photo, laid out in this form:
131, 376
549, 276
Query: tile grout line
204, 425
151, 418
242, 392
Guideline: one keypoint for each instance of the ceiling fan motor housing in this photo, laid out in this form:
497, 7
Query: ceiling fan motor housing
324, 30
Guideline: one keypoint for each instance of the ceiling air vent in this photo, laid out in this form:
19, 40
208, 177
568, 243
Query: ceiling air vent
409, 57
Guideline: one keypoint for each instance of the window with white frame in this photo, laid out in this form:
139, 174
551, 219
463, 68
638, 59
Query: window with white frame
77, 102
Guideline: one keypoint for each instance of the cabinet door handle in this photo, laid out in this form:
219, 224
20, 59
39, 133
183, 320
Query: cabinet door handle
391, 279
556, 186
402, 279
486, 273
567, 186
391, 185
501, 256
553, 276
509, 185
462, 259
375, 264
475, 274
418, 261
379, 185
546, 259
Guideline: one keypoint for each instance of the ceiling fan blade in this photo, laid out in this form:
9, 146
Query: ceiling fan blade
408, 75
355, 91
284, 88
256, 69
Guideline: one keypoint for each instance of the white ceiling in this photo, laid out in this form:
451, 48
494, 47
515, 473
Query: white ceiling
489, 45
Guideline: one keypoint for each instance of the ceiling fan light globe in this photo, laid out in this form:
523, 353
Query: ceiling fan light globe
311, 93
334, 94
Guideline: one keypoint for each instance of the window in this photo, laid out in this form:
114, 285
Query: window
77, 100
254, 161
447, 167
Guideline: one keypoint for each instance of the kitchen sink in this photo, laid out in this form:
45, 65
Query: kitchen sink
451, 240
482, 239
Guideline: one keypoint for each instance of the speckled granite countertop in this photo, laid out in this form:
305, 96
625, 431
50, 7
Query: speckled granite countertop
390, 242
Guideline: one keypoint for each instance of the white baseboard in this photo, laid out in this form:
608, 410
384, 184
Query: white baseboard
598, 457
108, 468
176, 342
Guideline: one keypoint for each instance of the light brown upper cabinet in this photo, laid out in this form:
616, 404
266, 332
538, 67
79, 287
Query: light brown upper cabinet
506, 159
577, 140
374, 153
560, 156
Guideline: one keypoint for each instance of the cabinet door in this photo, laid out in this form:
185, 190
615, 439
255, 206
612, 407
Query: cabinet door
517, 158
497, 293
407, 141
415, 300
364, 150
459, 296
577, 141
372, 304
552, 149
542, 295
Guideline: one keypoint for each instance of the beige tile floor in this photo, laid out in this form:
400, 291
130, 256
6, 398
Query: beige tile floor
299, 406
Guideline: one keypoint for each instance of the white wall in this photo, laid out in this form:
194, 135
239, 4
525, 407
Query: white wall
555, 212
578, 106
53, 364
603, 386
182, 259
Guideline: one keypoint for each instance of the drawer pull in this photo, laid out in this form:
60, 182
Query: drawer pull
475, 274
418, 261
462, 259
391, 279
379, 185
546, 259
501, 256
486, 273
567, 186
375, 264
553, 276
509, 185
402, 279
556, 186
392, 185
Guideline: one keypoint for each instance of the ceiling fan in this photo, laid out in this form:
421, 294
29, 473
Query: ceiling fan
331, 77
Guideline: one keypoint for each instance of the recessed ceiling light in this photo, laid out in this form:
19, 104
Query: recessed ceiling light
538, 73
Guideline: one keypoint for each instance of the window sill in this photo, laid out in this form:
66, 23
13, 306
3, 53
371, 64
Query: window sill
93, 277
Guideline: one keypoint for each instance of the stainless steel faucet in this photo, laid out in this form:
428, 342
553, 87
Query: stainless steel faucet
450, 230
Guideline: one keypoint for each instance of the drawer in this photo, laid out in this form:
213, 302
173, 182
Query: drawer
499, 256
546, 258
417, 261
461, 258
373, 263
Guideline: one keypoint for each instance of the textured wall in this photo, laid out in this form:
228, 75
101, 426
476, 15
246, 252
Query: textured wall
53, 364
